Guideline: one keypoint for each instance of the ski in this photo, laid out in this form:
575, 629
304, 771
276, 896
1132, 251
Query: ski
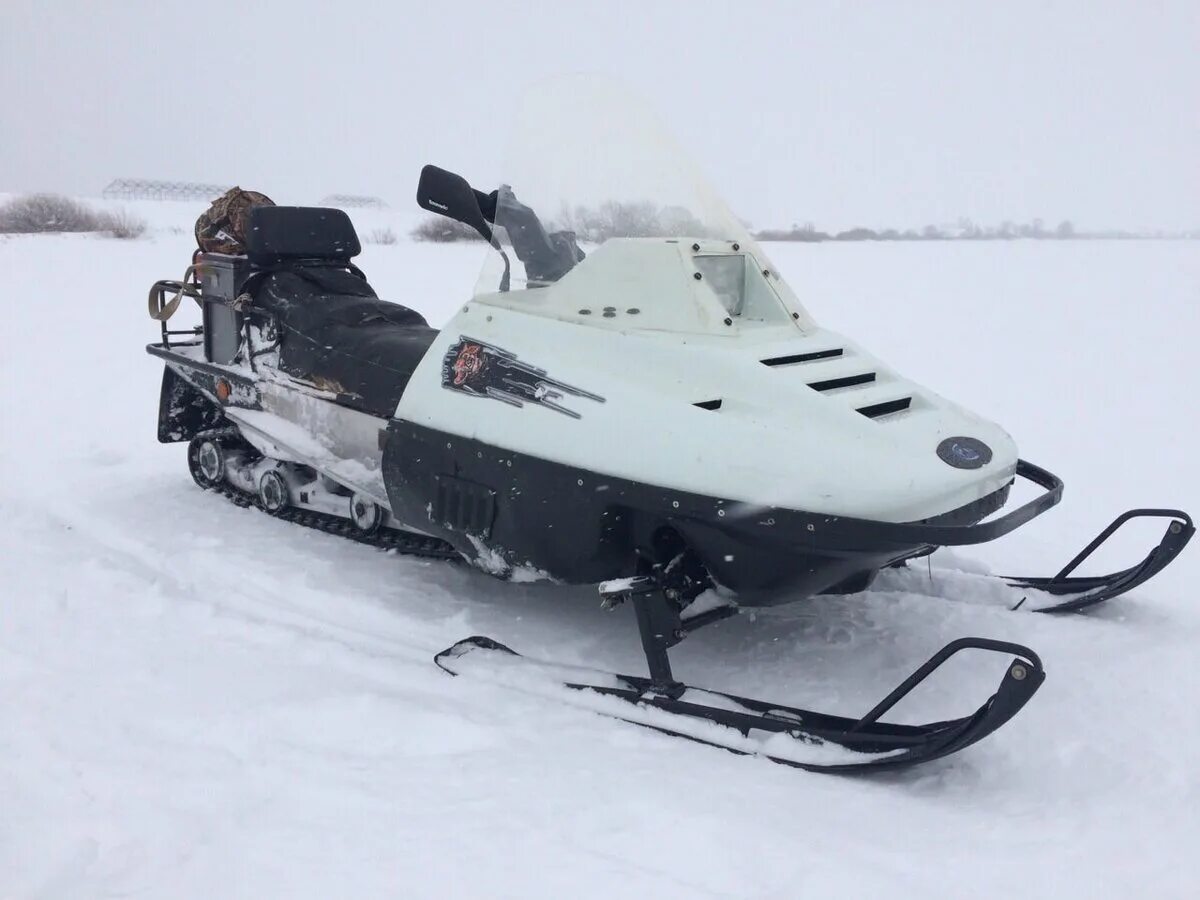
800, 738
1081, 592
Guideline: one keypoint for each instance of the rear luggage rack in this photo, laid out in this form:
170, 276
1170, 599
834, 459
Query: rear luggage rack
875, 410
802, 357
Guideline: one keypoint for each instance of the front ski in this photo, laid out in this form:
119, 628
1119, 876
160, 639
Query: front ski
1080, 592
814, 741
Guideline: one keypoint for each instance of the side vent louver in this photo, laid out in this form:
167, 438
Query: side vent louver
825, 385
464, 506
849, 381
708, 404
876, 410
802, 357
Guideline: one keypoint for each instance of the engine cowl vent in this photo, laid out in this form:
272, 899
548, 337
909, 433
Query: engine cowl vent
832, 384
708, 404
464, 506
802, 357
875, 410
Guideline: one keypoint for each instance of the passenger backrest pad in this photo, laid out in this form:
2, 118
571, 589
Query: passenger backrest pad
276, 234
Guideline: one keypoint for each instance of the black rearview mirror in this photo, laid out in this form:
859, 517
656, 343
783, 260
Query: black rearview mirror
450, 195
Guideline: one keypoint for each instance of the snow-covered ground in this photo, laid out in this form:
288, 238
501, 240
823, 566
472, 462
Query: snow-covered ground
199, 701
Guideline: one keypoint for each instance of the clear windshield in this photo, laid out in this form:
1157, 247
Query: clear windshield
592, 164
601, 219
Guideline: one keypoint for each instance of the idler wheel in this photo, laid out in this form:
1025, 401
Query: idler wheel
273, 493
206, 461
365, 514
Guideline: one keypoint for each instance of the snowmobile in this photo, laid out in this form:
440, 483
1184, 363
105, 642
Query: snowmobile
655, 414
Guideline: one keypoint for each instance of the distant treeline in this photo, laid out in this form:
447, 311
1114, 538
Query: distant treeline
593, 225
964, 230
55, 214
590, 225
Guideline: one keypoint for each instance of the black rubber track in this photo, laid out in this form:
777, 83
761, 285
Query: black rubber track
404, 542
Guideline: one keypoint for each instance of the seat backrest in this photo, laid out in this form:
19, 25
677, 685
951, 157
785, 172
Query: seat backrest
276, 234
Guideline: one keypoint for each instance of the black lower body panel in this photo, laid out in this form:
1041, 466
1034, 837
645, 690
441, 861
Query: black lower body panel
584, 528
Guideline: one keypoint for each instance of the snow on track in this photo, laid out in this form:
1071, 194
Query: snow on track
198, 700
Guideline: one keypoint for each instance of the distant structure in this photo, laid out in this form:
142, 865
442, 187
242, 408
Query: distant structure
146, 189
353, 201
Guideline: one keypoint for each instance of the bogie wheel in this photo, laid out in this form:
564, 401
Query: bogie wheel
273, 493
365, 514
206, 461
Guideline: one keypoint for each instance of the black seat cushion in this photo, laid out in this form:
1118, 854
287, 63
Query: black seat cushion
338, 335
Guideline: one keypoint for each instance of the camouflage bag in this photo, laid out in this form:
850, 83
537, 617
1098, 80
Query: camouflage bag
222, 227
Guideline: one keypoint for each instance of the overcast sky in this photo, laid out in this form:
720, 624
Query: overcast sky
838, 113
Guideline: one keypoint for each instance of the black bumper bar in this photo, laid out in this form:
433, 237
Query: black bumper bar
847, 532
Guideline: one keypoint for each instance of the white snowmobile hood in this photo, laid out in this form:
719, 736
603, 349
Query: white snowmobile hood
633, 328
673, 391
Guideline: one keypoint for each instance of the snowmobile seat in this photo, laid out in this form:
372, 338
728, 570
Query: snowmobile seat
276, 234
334, 331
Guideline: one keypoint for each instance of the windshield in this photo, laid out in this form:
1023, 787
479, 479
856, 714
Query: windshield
599, 208
592, 162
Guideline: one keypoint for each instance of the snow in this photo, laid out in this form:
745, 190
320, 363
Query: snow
199, 700
493, 562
